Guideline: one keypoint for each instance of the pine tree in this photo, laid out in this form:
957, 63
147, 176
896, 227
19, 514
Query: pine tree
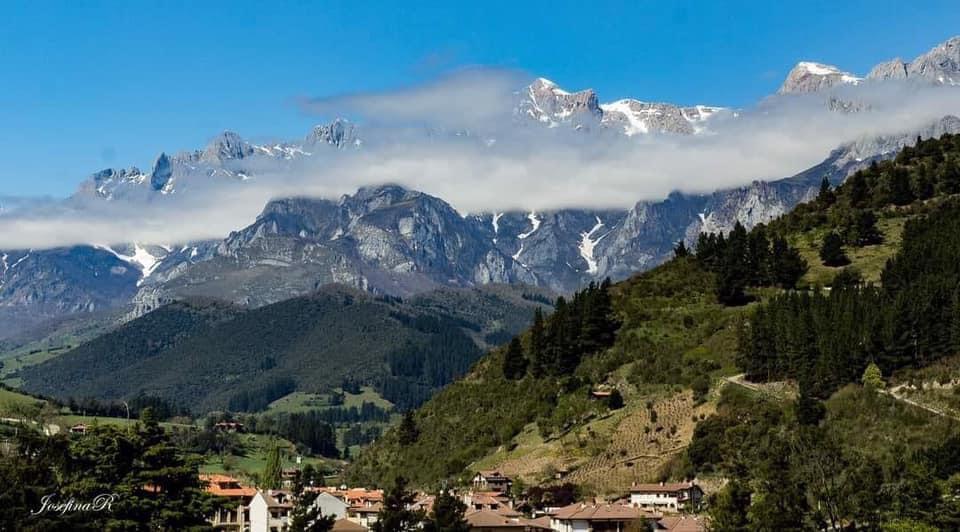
396, 515
407, 432
514, 363
856, 188
563, 353
831, 252
615, 401
826, 197
864, 230
788, 266
538, 346
272, 475
447, 514
680, 250
898, 183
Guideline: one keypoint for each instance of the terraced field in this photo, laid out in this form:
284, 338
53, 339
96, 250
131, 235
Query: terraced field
608, 454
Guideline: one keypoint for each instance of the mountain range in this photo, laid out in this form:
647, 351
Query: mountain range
391, 240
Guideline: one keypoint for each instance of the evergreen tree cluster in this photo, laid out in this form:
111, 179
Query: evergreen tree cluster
310, 429
827, 340
929, 169
789, 476
743, 259
162, 408
582, 326
156, 486
259, 398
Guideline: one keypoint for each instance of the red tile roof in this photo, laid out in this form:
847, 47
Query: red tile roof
226, 486
682, 523
604, 512
661, 488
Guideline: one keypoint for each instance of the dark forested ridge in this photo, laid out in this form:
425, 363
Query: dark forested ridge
205, 355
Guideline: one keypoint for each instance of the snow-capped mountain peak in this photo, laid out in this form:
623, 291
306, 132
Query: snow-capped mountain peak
635, 117
809, 76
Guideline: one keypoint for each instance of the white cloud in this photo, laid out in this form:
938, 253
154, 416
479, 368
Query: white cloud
526, 168
466, 99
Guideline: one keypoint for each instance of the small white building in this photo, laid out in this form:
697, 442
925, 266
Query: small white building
330, 505
267, 514
364, 516
491, 481
672, 497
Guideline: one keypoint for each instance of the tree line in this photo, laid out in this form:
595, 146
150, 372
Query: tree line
157, 486
743, 259
558, 343
785, 474
827, 339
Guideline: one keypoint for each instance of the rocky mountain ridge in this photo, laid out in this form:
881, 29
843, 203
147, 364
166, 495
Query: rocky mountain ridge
391, 240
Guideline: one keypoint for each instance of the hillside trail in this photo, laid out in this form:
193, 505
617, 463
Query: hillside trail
895, 393
740, 380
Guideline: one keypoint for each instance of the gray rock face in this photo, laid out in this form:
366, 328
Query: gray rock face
940, 65
808, 77
224, 147
161, 174
386, 239
546, 103
633, 117
339, 133
893, 69
40, 285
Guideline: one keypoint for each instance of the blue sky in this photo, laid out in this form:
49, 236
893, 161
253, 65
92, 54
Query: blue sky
88, 85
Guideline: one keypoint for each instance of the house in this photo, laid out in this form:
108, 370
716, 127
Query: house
331, 505
424, 503
491, 481
235, 515
346, 525
671, 497
491, 521
486, 500
580, 517
364, 516
268, 514
681, 523
228, 426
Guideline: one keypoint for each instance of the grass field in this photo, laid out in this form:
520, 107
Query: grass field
254, 458
11, 401
304, 402
869, 260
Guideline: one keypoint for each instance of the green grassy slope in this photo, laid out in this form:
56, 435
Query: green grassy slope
675, 337
673, 332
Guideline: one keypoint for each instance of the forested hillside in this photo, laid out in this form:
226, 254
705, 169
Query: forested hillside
206, 355
801, 453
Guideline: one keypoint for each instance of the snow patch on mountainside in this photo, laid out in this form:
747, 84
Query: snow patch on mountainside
145, 261
495, 221
533, 221
587, 245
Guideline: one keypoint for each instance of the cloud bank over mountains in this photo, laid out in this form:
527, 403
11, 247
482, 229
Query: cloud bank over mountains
462, 138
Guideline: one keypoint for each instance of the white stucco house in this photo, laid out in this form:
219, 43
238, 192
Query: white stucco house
268, 514
668, 497
330, 505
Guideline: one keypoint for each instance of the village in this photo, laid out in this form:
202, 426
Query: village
490, 507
